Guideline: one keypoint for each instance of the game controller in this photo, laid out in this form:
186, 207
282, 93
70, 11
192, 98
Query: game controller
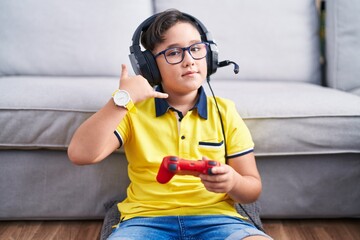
172, 165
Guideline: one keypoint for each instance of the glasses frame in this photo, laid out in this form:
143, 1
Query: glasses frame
183, 52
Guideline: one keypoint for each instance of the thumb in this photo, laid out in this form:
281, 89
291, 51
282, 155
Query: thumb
124, 71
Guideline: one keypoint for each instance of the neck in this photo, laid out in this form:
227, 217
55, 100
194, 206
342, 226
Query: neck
183, 102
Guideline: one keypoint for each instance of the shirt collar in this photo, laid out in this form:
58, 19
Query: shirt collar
162, 106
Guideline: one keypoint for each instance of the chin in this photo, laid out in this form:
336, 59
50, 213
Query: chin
195, 85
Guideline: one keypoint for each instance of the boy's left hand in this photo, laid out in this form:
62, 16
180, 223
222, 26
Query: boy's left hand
221, 181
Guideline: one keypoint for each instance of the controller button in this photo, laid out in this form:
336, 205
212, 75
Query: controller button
174, 159
173, 167
212, 163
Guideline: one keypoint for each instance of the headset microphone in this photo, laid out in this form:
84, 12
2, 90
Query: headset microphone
227, 63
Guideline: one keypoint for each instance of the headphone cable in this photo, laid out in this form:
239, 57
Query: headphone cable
225, 148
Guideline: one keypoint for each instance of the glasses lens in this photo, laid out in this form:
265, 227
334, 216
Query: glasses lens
198, 50
174, 55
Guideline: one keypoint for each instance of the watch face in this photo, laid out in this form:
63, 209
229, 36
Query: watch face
121, 98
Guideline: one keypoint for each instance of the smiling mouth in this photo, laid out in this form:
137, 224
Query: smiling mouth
189, 73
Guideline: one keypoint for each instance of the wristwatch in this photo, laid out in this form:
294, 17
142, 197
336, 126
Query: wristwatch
122, 99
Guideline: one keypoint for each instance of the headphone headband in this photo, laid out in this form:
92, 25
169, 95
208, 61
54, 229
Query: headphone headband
144, 63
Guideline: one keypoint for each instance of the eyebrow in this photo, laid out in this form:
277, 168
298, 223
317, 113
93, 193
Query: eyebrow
178, 45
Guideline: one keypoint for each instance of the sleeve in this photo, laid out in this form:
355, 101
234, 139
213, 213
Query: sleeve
122, 130
238, 137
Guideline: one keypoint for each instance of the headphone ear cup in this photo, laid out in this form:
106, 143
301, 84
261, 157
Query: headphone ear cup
212, 59
144, 63
152, 68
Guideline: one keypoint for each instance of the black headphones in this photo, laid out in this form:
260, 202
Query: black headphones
144, 63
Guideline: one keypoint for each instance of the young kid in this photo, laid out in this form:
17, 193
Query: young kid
175, 118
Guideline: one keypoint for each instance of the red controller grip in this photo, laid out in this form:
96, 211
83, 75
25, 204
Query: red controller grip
172, 165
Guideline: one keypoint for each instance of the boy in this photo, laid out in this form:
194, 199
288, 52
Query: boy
175, 119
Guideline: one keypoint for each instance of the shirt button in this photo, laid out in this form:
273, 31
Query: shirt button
182, 137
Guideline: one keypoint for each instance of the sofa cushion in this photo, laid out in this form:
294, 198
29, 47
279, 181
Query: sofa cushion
270, 40
44, 112
284, 118
42, 37
296, 118
343, 45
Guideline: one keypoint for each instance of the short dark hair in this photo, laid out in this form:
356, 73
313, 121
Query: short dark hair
165, 20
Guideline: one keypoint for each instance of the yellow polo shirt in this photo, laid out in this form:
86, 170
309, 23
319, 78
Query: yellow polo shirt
157, 130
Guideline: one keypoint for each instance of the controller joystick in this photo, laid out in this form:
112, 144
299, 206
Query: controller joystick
172, 165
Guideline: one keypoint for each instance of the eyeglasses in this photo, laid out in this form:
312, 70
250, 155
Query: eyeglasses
176, 55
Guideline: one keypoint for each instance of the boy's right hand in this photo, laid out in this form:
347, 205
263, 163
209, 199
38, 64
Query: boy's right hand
137, 86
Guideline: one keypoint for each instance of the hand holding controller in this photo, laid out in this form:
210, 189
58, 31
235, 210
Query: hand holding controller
172, 165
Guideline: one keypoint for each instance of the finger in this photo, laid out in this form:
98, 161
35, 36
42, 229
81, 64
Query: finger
157, 94
215, 178
124, 71
160, 95
209, 178
218, 170
218, 188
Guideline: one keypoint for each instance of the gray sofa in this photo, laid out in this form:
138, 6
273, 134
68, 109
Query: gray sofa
60, 62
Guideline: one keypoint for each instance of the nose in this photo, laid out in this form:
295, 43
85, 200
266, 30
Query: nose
188, 59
